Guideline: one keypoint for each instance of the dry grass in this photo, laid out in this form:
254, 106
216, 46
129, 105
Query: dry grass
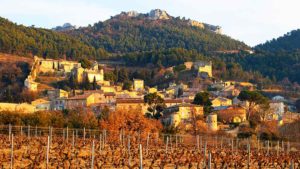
14, 58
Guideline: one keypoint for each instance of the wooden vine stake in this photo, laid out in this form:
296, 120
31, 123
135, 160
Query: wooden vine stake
84, 135
12, 152
128, 147
277, 148
268, 147
36, 131
147, 143
93, 154
100, 143
249, 153
167, 145
197, 145
9, 132
47, 155
28, 134
73, 140
209, 161
67, 134
141, 156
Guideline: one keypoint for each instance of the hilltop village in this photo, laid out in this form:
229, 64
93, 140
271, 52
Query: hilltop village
176, 106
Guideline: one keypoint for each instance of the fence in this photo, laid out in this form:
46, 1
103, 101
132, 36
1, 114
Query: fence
137, 148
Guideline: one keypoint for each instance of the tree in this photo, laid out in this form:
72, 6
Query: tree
180, 92
85, 63
254, 98
86, 83
297, 104
127, 85
28, 96
110, 76
131, 122
103, 115
94, 83
156, 105
264, 111
202, 99
179, 68
122, 75
73, 82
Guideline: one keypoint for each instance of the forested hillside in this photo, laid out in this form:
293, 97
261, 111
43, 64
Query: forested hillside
123, 33
226, 67
279, 59
28, 41
288, 42
138, 40
169, 57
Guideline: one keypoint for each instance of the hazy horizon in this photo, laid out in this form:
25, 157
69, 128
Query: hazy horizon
250, 21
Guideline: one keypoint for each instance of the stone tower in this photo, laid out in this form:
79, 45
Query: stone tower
212, 122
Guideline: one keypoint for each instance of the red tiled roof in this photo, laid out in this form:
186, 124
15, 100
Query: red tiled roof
178, 101
79, 97
127, 100
109, 94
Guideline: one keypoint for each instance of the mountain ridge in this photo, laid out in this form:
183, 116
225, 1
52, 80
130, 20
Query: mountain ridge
278, 59
132, 31
158, 14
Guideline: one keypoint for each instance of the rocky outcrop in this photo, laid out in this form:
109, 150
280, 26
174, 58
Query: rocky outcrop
65, 27
216, 29
132, 14
196, 24
158, 14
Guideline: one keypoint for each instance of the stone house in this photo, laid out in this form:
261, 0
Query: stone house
138, 84
221, 101
82, 101
58, 104
203, 67
80, 74
57, 93
41, 104
51, 65
131, 104
232, 114
30, 84
182, 113
174, 102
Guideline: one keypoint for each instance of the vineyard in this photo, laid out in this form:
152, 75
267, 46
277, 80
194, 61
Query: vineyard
34, 147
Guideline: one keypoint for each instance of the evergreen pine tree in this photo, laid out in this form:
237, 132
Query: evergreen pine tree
94, 83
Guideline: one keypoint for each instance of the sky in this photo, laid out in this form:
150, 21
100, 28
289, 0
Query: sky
250, 21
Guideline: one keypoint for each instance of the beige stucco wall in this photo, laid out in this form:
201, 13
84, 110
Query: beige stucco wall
97, 75
217, 102
207, 69
132, 106
212, 122
138, 84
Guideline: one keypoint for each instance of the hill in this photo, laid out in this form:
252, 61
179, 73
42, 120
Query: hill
278, 59
288, 43
13, 71
156, 30
28, 41
9, 58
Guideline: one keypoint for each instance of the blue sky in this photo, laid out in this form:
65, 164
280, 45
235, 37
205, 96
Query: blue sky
251, 21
